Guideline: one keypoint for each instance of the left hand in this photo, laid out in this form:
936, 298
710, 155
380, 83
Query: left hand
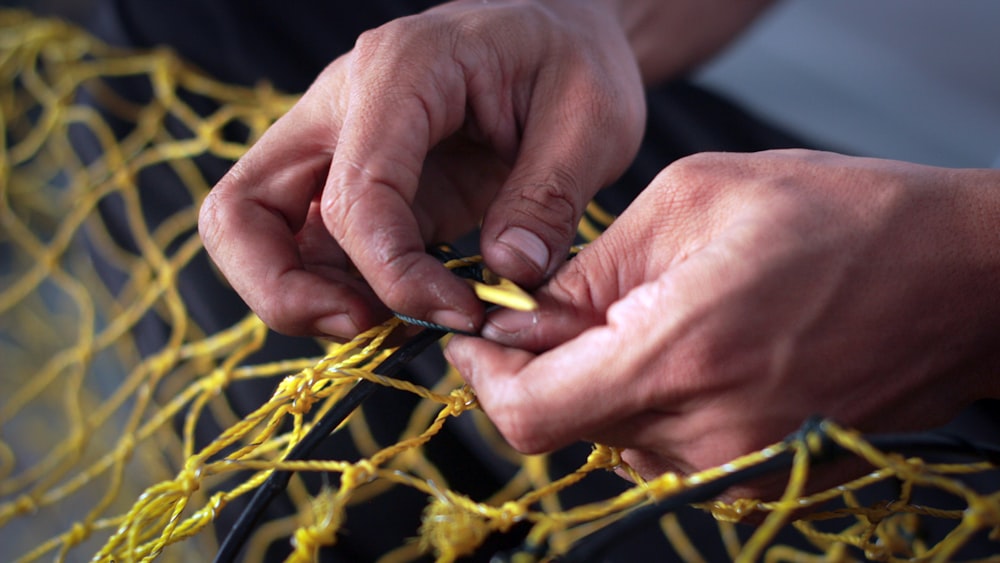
741, 294
496, 114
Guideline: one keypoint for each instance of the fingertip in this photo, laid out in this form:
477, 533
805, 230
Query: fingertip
454, 351
466, 352
339, 319
383, 240
526, 233
461, 352
338, 325
509, 327
555, 322
455, 320
424, 289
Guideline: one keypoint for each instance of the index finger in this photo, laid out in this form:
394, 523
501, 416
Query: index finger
540, 403
249, 221
388, 129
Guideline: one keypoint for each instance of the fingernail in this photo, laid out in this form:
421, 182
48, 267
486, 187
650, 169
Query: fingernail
507, 323
528, 245
338, 325
452, 319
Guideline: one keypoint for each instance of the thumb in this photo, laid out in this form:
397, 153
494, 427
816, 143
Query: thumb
574, 300
529, 226
580, 293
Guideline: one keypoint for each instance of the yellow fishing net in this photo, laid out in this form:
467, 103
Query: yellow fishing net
100, 454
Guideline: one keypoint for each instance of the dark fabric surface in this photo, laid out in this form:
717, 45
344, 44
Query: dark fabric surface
243, 41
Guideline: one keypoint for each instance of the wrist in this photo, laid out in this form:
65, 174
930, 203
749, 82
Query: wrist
978, 197
669, 38
953, 235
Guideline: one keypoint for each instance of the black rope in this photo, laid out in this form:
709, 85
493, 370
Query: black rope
277, 482
471, 271
429, 325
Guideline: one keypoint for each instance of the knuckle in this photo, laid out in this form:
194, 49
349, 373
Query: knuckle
572, 287
797, 153
396, 288
694, 168
217, 213
269, 310
401, 39
277, 309
552, 202
518, 20
479, 26
369, 43
336, 208
614, 109
691, 184
381, 58
209, 218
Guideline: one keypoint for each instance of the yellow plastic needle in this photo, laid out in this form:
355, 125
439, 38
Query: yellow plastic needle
503, 292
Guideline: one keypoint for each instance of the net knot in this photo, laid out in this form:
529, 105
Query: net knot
321, 525
605, 457
217, 380
77, 533
734, 511
25, 505
511, 512
189, 480
462, 399
358, 474
451, 530
983, 514
308, 540
876, 553
303, 397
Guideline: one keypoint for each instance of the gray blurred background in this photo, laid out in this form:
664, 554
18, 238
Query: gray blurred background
916, 80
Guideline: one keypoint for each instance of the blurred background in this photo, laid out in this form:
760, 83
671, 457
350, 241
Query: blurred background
915, 80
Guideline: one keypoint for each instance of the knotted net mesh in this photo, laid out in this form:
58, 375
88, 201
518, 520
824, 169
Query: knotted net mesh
103, 447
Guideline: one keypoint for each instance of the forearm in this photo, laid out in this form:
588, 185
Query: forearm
670, 37
974, 220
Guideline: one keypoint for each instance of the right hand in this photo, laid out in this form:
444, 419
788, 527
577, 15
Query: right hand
741, 294
511, 113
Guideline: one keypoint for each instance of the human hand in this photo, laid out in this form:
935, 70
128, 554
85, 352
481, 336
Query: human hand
510, 113
741, 294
